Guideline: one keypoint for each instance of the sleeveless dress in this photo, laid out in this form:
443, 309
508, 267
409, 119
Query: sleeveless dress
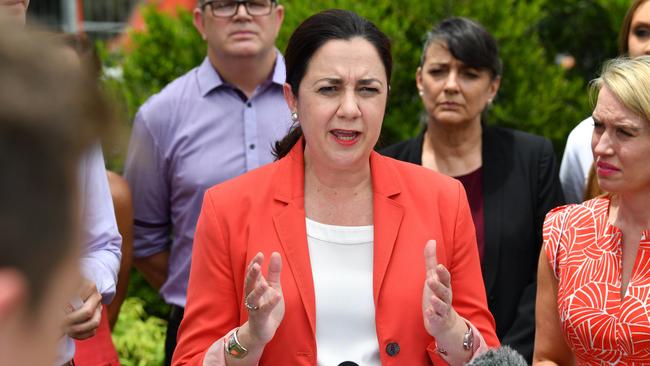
585, 253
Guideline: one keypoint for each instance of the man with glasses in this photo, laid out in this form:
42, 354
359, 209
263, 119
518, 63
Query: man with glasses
215, 122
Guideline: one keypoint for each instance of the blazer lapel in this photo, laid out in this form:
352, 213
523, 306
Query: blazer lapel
290, 227
493, 197
290, 223
388, 216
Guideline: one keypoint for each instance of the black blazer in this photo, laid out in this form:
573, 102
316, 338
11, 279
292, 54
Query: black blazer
520, 185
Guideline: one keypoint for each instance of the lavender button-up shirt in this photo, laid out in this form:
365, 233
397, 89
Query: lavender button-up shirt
102, 243
197, 132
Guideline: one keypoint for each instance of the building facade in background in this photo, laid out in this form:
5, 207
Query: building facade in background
100, 19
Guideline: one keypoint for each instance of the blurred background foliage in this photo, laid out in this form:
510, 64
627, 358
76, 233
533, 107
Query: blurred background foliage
536, 95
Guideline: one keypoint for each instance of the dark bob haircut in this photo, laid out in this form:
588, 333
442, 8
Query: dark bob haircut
310, 36
468, 42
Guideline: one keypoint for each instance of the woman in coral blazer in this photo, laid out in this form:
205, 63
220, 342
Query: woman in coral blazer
423, 242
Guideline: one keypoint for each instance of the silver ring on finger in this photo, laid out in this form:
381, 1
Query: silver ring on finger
249, 306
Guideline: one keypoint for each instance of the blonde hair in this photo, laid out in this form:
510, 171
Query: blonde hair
628, 79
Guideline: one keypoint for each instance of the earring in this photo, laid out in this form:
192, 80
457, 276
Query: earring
420, 92
294, 117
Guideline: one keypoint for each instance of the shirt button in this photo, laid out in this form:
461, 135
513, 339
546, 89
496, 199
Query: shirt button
392, 349
249, 104
251, 146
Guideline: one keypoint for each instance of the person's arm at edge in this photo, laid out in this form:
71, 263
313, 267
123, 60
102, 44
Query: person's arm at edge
154, 268
212, 312
100, 262
143, 172
550, 346
124, 216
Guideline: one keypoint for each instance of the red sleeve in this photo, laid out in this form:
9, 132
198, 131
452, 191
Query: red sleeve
468, 299
212, 310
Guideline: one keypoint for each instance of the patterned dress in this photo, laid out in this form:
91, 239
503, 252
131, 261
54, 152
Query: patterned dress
585, 253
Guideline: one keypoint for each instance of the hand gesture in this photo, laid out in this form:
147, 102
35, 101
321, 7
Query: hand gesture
263, 298
439, 315
82, 322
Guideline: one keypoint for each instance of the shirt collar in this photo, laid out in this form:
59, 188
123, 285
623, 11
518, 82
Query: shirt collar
279, 71
209, 79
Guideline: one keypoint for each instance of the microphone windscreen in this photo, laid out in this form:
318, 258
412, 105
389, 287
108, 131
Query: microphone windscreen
502, 356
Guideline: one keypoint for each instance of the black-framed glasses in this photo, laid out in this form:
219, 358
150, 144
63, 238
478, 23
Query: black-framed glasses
228, 8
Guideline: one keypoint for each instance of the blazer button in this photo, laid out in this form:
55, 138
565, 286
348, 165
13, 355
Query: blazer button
392, 349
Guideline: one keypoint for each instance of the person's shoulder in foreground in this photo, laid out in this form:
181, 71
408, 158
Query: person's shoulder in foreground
49, 117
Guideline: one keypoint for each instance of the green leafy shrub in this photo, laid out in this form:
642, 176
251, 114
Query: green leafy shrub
153, 303
585, 29
138, 337
169, 48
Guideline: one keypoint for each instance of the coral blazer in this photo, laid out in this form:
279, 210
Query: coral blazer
263, 210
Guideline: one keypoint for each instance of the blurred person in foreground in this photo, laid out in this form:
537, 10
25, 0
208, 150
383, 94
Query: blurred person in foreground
371, 261
577, 173
510, 176
99, 349
14, 12
120, 192
50, 115
594, 272
100, 260
214, 123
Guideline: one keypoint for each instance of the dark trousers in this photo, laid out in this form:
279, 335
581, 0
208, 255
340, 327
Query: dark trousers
175, 317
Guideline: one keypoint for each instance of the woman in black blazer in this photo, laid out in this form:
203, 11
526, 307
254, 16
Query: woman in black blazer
510, 176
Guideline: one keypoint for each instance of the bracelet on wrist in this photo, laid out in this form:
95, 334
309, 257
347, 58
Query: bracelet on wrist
233, 347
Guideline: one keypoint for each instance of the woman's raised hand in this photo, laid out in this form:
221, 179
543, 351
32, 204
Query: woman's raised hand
263, 299
440, 319
439, 316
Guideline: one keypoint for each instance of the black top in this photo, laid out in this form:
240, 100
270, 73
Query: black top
520, 185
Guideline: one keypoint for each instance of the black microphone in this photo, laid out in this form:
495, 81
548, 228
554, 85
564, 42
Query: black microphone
348, 363
502, 356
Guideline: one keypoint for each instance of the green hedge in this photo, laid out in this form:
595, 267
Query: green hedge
138, 336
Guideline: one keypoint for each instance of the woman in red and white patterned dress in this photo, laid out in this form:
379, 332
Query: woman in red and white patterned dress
593, 296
